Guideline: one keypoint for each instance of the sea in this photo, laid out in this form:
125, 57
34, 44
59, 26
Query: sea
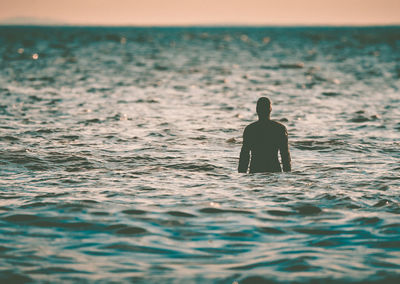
119, 149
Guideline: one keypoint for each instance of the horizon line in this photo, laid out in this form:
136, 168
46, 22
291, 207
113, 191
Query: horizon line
217, 25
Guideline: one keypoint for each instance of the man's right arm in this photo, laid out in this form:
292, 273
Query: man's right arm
244, 154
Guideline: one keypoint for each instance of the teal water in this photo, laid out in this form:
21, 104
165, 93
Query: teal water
119, 151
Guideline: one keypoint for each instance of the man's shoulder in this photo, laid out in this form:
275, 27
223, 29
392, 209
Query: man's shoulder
251, 127
272, 125
278, 125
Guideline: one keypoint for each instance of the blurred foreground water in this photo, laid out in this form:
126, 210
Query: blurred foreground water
119, 149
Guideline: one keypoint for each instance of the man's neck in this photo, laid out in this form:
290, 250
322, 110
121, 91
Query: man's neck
264, 118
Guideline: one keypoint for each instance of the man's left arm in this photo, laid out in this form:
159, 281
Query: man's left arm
285, 153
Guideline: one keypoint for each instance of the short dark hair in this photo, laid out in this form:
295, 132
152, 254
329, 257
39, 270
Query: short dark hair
263, 106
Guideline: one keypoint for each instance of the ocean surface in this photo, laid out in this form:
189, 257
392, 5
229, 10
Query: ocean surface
119, 150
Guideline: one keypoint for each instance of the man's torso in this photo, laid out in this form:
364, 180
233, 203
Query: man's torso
265, 139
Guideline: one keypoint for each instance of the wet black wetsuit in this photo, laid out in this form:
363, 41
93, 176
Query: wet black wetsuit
263, 139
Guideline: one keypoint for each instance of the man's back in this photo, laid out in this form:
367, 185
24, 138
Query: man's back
264, 138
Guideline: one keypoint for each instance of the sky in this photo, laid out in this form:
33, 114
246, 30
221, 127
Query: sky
202, 12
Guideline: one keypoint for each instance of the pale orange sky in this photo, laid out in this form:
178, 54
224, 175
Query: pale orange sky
203, 12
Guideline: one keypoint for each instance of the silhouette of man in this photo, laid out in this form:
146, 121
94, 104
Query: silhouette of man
264, 138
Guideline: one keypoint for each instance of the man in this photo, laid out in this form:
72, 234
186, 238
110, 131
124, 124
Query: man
264, 138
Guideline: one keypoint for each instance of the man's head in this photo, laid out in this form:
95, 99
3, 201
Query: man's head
264, 107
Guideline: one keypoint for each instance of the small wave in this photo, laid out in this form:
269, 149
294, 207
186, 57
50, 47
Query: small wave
134, 212
194, 167
10, 276
257, 280
57, 270
122, 229
73, 207
331, 94
160, 67
258, 264
47, 222
38, 204
6, 196
296, 65
98, 90
5, 249
9, 138
51, 195
180, 88
319, 144
245, 234
392, 244
383, 202
308, 209
318, 231
148, 101
73, 162
270, 230
70, 137
213, 210
391, 229
127, 247
180, 214
326, 243
223, 250
91, 121
23, 158
359, 119
280, 213
367, 220
20, 218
